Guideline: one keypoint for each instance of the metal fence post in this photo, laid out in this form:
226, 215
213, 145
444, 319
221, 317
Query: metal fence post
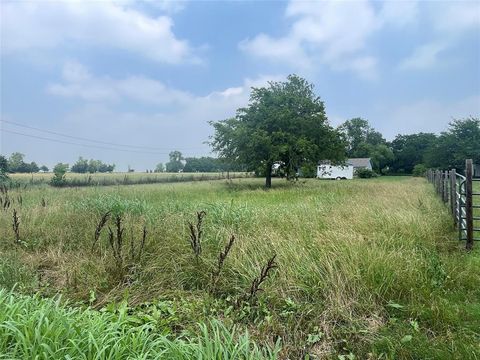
453, 194
469, 202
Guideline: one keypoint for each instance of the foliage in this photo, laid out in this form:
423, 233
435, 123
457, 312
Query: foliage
36, 328
284, 122
17, 165
59, 172
3, 164
159, 168
410, 150
175, 164
203, 164
357, 133
91, 166
461, 141
3, 170
364, 173
419, 170
308, 171
44, 168
363, 141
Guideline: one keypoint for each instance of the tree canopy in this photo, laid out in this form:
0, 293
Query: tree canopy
16, 164
461, 141
91, 166
364, 141
284, 123
175, 164
410, 150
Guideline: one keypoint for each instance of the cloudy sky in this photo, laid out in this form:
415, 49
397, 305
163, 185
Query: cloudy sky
151, 74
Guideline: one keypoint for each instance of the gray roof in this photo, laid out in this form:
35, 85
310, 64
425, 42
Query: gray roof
359, 162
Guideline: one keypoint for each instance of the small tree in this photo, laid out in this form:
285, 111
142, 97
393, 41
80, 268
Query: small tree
419, 170
3, 164
33, 167
81, 166
59, 171
175, 164
16, 163
159, 168
44, 168
3, 169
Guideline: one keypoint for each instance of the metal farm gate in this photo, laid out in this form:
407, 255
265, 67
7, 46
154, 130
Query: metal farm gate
458, 192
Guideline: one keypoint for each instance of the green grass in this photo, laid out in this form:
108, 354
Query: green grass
365, 268
31, 327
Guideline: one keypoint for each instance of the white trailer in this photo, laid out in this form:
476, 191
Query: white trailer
335, 172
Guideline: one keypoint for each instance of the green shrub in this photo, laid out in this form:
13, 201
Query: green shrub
59, 175
419, 170
365, 173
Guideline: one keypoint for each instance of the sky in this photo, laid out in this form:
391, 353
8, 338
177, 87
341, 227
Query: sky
143, 78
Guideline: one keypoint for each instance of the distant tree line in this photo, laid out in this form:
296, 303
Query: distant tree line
407, 154
91, 166
179, 163
16, 164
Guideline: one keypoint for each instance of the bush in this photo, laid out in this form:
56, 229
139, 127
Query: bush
419, 170
58, 178
309, 171
365, 173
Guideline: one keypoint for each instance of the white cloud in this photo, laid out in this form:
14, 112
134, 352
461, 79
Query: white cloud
79, 83
398, 13
449, 19
427, 115
423, 57
456, 16
334, 33
176, 119
28, 25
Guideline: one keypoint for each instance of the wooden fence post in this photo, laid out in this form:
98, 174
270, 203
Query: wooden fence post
469, 202
445, 186
439, 182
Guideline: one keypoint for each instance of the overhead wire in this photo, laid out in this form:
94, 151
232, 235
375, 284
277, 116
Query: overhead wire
85, 139
85, 145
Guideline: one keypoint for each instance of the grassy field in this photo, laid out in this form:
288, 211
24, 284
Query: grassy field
361, 269
121, 178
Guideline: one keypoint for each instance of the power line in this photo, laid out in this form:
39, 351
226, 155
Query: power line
86, 139
86, 145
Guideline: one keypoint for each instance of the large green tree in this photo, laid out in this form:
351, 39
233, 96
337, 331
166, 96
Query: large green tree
461, 141
284, 123
16, 163
175, 164
364, 141
410, 150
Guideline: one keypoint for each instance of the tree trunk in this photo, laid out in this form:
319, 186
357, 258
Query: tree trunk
268, 176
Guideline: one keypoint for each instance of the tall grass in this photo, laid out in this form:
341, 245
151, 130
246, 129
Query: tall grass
35, 328
110, 179
370, 268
